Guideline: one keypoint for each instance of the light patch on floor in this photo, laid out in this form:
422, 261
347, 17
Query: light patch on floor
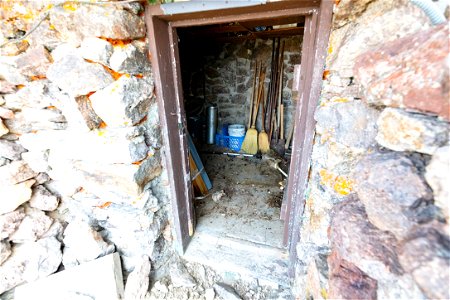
242, 231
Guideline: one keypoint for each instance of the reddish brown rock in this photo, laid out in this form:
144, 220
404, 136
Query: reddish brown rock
357, 240
373, 251
411, 72
6, 113
7, 87
91, 119
347, 281
34, 62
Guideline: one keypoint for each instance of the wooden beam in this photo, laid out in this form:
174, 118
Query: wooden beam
243, 36
302, 7
257, 16
275, 21
217, 29
281, 32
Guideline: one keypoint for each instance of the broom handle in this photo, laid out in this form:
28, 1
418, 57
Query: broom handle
269, 91
255, 106
260, 87
263, 111
280, 87
253, 96
281, 122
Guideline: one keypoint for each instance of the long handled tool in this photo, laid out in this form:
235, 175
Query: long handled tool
273, 91
279, 148
275, 130
263, 138
250, 143
253, 95
269, 91
289, 135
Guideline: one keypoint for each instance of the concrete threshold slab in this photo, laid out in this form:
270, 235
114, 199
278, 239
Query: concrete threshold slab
269, 265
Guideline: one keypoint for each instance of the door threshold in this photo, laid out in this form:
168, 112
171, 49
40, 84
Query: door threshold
240, 259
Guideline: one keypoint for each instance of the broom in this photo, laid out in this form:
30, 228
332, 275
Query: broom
263, 138
250, 143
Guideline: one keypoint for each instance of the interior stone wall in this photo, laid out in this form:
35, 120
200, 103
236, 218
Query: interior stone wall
80, 149
375, 225
223, 74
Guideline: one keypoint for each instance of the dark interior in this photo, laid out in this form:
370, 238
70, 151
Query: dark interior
218, 68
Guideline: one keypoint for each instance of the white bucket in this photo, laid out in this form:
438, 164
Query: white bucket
236, 130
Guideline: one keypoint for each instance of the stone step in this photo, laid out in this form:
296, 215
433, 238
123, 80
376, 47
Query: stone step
239, 259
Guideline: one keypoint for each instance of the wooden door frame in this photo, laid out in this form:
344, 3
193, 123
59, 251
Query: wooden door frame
162, 36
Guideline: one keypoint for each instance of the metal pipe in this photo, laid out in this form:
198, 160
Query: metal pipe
211, 123
431, 10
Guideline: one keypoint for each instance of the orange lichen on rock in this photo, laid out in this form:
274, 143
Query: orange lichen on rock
343, 186
325, 74
117, 43
38, 77
104, 205
114, 74
339, 184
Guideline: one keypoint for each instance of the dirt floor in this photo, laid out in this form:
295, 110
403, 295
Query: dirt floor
250, 196
239, 232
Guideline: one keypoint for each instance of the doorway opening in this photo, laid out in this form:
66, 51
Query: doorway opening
187, 80
219, 67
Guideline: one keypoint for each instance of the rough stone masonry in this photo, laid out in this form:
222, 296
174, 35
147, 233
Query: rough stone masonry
80, 161
82, 174
376, 216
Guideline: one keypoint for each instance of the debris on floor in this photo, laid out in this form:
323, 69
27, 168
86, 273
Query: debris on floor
209, 285
216, 196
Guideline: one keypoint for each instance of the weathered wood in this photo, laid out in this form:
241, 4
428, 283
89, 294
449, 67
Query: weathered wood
162, 29
294, 192
172, 124
313, 89
239, 17
301, 7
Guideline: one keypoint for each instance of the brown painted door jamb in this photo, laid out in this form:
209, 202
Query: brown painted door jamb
310, 88
164, 56
173, 126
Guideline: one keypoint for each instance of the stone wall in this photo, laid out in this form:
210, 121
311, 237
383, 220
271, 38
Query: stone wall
81, 167
80, 150
376, 213
228, 75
